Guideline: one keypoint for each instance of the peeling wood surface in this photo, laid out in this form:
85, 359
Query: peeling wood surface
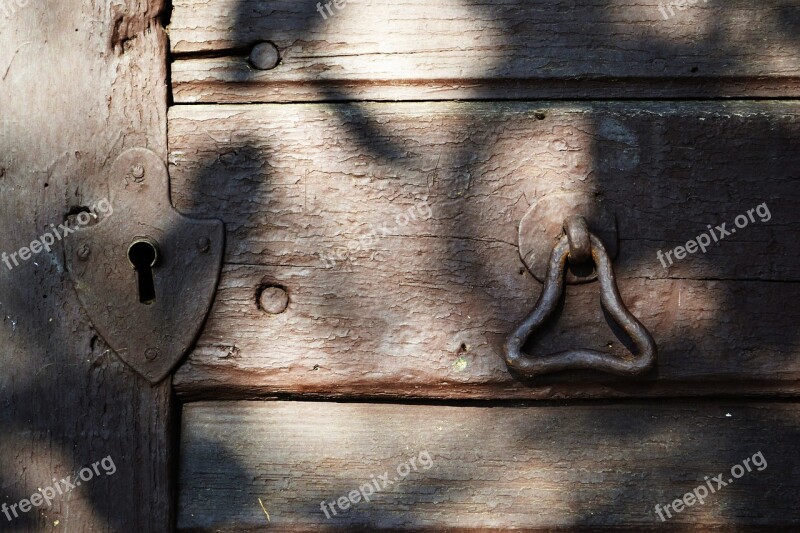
80, 81
393, 228
468, 49
360, 332
491, 468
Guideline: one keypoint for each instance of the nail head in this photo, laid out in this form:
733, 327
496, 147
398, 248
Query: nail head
137, 171
273, 300
83, 252
264, 56
203, 244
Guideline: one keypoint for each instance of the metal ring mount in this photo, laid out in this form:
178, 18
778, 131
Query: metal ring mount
580, 243
543, 224
581, 359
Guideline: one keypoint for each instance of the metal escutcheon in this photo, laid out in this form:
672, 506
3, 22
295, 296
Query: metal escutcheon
145, 274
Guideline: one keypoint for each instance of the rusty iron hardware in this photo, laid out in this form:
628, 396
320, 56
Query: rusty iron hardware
574, 246
542, 227
145, 274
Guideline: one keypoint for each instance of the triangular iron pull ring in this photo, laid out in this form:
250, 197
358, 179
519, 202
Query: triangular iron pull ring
534, 365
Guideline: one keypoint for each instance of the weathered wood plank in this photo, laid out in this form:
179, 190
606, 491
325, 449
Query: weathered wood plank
232, 80
382, 332
299, 184
393, 227
468, 49
486, 468
80, 81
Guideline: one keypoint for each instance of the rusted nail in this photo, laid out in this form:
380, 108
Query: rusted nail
84, 252
137, 171
203, 244
264, 56
273, 300
152, 353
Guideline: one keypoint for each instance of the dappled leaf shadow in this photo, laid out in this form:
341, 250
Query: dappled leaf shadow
42, 409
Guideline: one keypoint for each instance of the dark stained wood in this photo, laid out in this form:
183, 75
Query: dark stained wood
345, 335
392, 228
80, 81
490, 468
298, 184
469, 49
421, 307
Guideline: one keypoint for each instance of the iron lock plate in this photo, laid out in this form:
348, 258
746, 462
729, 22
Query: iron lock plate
150, 318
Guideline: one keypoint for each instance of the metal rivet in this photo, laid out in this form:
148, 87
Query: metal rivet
264, 56
137, 171
152, 353
273, 300
83, 252
203, 244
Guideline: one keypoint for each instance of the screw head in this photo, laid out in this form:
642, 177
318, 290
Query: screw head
137, 171
152, 353
203, 244
264, 56
84, 252
273, 300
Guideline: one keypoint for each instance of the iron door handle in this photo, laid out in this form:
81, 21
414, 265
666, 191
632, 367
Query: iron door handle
581, 243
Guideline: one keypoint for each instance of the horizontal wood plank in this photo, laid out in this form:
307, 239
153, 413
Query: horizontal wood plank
394, 230
468, 49
251, 466
361, 332
313, 185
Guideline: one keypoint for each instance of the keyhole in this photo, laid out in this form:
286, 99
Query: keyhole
143, 254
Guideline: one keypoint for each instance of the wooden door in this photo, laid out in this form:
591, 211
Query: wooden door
372, 162
81, 81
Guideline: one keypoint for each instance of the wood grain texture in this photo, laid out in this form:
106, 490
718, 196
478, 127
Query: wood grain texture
393, 228
468, 49
360, 332
569, 467
80, 81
